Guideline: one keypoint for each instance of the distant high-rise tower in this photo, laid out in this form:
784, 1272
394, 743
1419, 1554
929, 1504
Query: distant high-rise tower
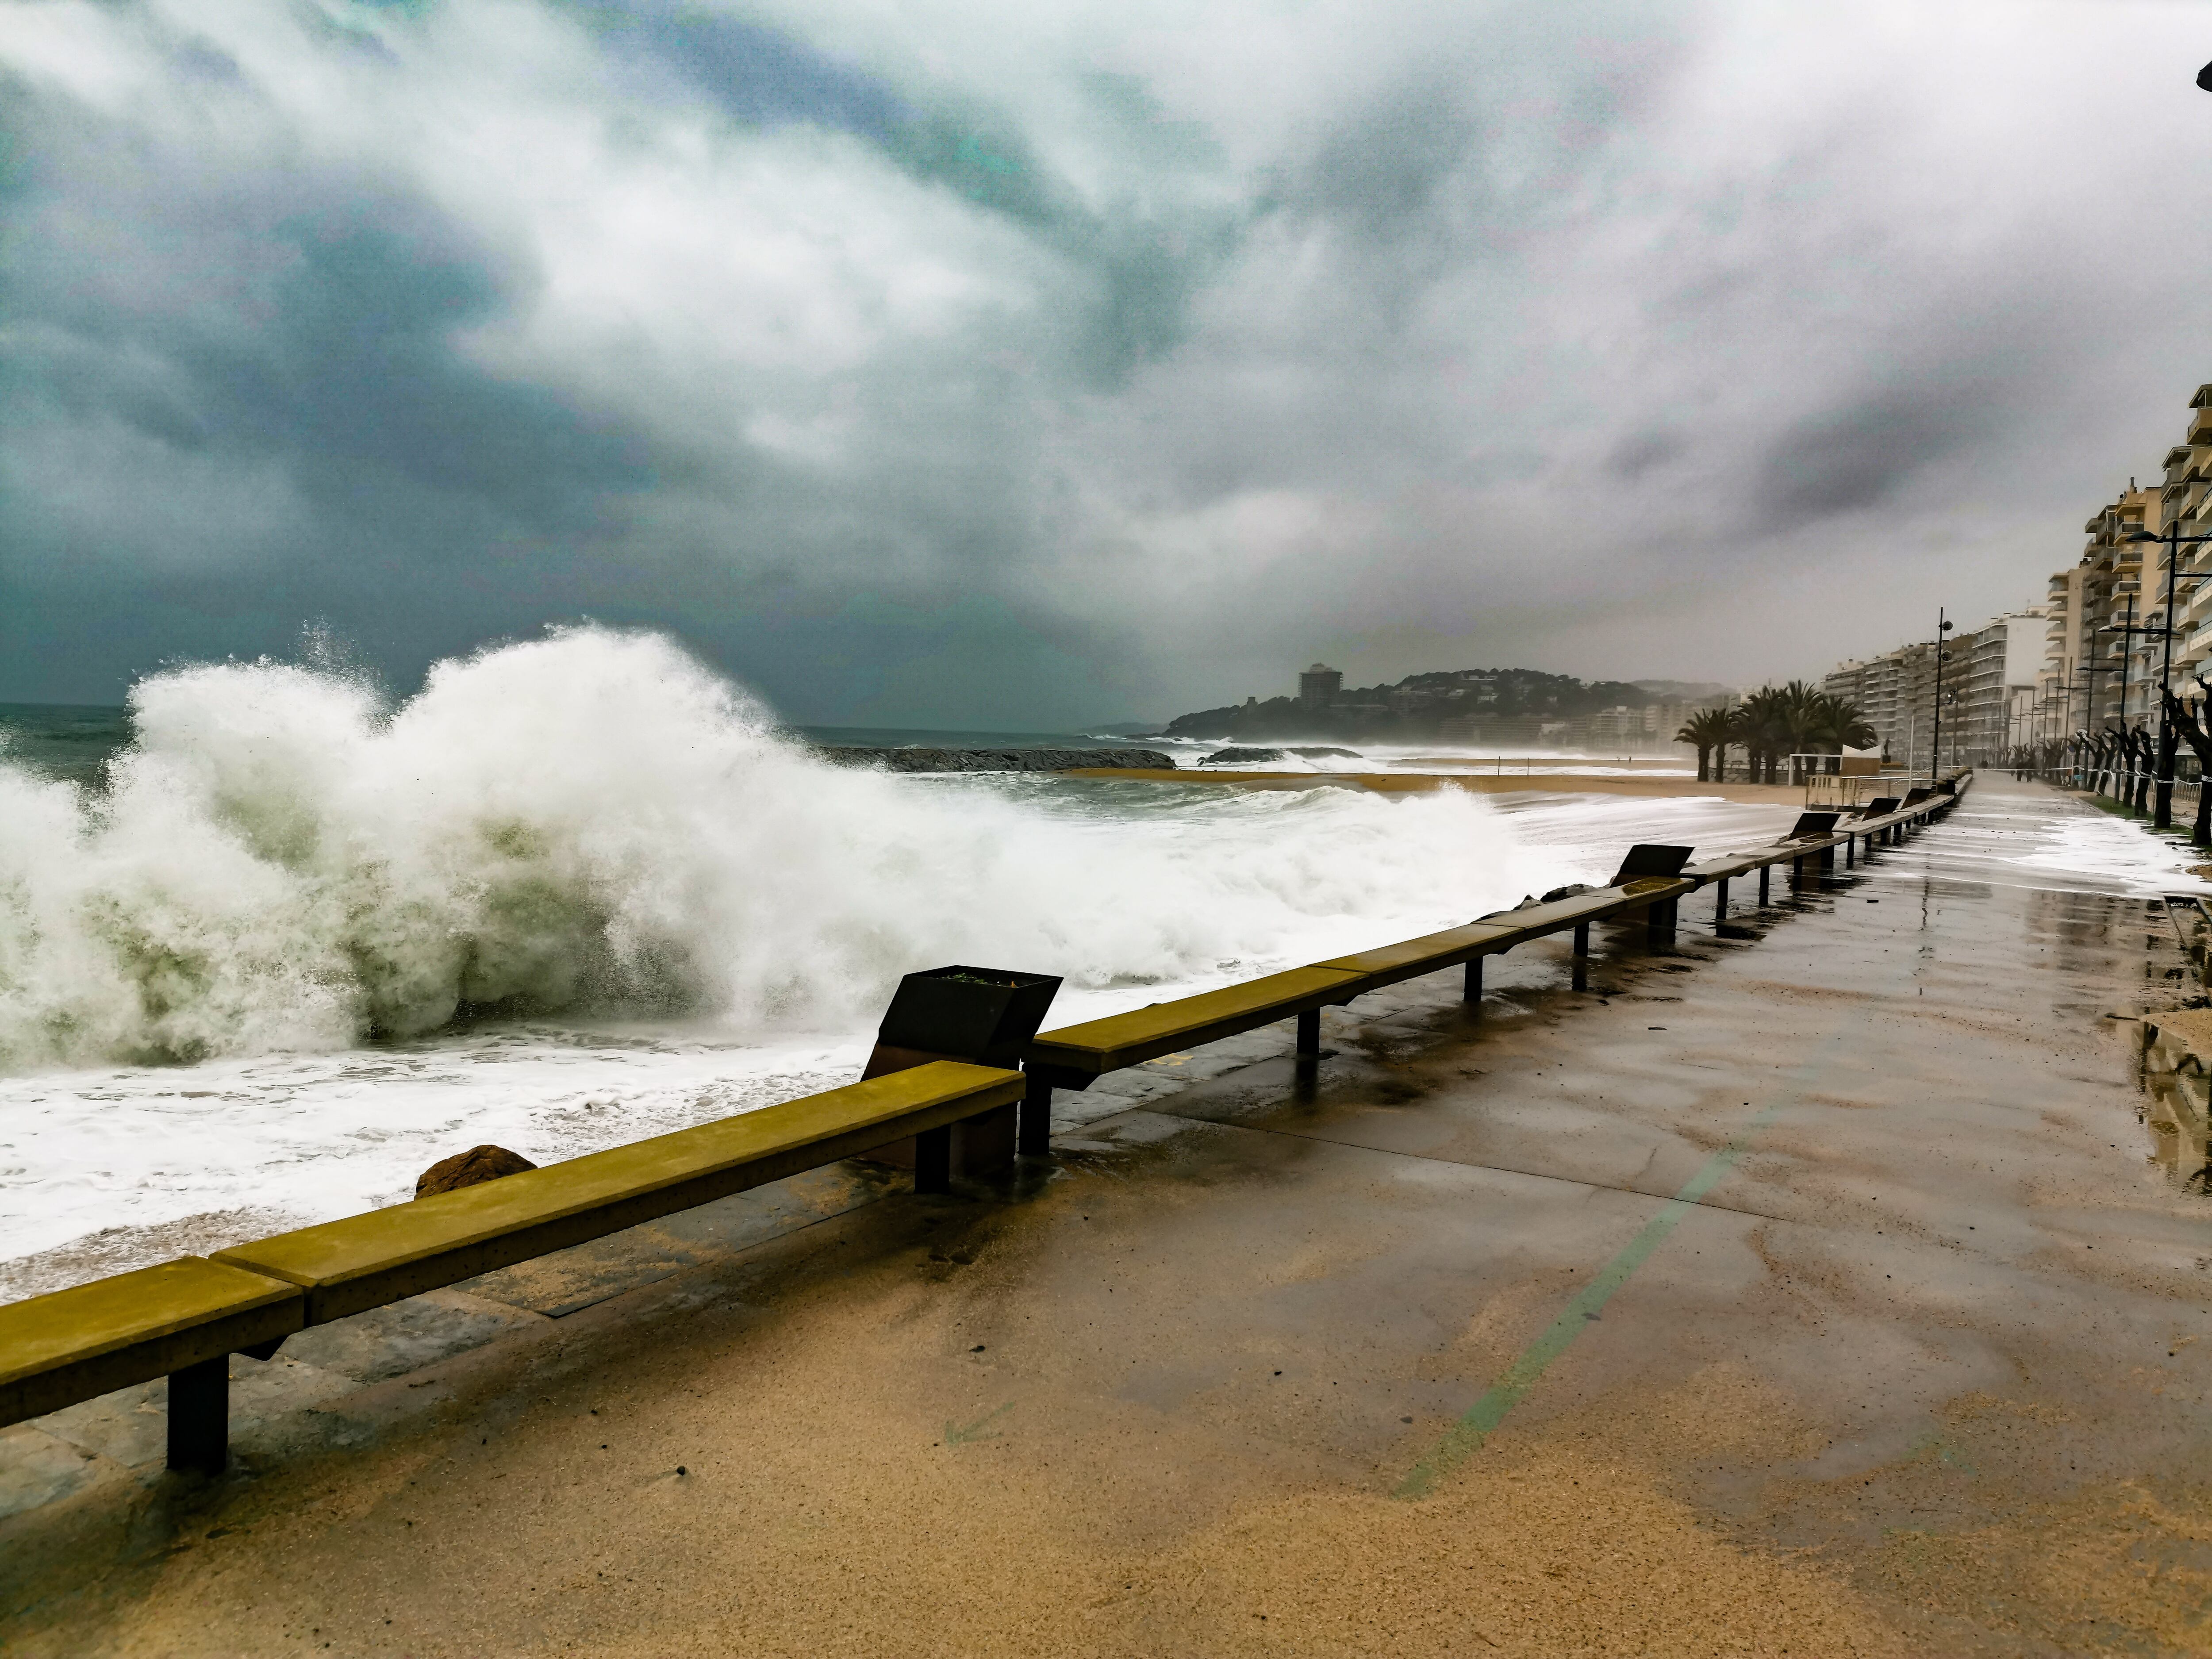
1318, 686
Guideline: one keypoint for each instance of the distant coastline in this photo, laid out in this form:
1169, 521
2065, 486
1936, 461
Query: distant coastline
1470, 705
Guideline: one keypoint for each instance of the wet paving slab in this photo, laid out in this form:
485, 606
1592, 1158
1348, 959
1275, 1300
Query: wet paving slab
1831, 1282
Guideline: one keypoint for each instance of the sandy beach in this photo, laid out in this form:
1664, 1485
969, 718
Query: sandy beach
1413, 783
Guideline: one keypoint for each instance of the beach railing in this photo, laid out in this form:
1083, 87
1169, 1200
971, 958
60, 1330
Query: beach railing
184, 1319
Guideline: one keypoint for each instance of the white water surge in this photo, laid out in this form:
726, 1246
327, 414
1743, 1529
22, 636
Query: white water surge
579, 891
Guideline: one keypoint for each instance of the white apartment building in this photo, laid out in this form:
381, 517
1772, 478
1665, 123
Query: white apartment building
1989, 693
2107, 646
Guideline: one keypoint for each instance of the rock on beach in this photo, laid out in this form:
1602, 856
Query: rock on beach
478, 1163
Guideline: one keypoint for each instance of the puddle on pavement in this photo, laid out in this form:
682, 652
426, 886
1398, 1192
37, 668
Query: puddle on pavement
2174, 1114
2176, 1107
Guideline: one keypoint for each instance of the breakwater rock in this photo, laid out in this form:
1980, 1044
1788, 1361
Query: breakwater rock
999, 760
1236, 757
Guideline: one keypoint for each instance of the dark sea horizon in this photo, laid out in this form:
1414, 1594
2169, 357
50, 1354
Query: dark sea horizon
74, 742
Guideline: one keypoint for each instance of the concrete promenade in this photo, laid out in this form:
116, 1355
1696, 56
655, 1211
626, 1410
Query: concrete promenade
1813, 1289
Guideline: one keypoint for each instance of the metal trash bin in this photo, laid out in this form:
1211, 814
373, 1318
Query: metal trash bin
984, 1015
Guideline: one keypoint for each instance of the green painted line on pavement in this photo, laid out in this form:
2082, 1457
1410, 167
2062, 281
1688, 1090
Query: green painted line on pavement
956, 1436
1466, 1436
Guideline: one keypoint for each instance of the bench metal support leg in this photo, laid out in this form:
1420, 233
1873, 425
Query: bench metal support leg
1310, 1032
1764, 870
1034, 1135
1851, 851
1475, 981
1582, 955
199, 1416
1720, 902
932, 1160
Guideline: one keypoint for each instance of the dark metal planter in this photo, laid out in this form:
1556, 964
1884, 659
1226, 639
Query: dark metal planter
1808, 825
1649, 858
984, 1015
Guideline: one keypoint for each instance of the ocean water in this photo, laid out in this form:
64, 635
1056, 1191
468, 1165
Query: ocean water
904, 737
269, 946
69, 741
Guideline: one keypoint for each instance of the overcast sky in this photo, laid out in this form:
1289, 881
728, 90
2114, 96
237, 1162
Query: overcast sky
975, 363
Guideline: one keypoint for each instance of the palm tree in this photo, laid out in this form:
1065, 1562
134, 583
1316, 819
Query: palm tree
1803, 720
1830, 725
1705, 731
1797, 719
1743, 728
1762, 725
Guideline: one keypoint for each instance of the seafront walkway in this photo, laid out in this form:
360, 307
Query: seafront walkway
1814, 1288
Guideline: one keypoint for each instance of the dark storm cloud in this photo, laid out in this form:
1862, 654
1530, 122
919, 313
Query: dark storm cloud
906, 361
751, 74
355, 365
1856, 459
1641, 452
308, 321
1379, 172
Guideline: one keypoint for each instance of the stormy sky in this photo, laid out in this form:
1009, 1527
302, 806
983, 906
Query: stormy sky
966, 364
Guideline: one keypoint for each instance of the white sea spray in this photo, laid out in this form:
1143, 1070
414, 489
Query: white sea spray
594, 822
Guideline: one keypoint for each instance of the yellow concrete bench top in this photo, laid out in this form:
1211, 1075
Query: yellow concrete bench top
367, 1261
1409, 958
1130, 1039
78, 1344
1123, 1040
1538, 919
1782, 852
1721, 869
1646, 888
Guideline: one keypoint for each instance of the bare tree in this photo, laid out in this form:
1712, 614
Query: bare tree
2107, 776
2188, 718
2169, 745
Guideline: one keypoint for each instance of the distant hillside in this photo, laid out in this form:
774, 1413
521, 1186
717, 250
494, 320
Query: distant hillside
1417, 706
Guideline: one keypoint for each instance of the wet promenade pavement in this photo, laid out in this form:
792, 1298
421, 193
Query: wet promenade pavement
1815, 1288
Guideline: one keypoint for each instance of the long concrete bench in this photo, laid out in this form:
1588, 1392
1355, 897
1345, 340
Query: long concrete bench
1076, 1057
1495, 934
184, 1318
1794, 850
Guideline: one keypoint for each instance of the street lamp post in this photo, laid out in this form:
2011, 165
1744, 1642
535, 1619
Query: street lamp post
2127, 651
1936, 740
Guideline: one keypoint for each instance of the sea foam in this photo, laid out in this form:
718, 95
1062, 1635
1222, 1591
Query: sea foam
595, 822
